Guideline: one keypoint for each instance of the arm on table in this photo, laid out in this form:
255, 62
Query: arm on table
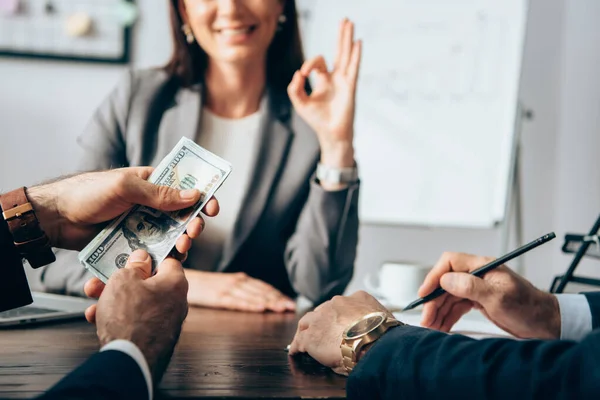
320, 254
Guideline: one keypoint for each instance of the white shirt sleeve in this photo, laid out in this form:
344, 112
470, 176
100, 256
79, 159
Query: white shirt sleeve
575, 316
134, 352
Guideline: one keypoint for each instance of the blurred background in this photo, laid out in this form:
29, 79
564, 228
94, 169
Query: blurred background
45, 104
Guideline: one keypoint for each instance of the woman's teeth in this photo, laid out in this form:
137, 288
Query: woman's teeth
232, 32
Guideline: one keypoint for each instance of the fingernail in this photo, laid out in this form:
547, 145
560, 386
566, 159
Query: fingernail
188, 194
138, 256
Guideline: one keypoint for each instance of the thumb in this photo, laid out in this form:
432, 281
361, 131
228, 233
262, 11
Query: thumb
164, 198
465, 286
141, 262
170, 273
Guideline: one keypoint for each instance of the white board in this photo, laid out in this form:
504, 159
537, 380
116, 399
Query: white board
436, 105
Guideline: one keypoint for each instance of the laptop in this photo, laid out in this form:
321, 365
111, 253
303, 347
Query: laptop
46, 307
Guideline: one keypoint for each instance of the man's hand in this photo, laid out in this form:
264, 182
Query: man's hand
320, 332
505, 298
73, 210
147, 311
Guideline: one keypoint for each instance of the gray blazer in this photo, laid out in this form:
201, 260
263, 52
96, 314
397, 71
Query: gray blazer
290, 233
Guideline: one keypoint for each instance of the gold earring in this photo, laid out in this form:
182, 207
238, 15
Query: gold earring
189, 35
281, 21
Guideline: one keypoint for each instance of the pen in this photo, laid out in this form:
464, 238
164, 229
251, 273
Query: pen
486, 268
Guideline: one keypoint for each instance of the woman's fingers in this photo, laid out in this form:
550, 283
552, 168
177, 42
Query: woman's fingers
314, 64
296, 89
273, 298
354, 66
346, 50
338, 55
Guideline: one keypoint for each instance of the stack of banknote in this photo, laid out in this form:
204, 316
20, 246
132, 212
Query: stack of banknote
187, 166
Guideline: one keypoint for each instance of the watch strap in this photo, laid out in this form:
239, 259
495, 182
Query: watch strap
14, 289
351, 350
29, 238
329, 174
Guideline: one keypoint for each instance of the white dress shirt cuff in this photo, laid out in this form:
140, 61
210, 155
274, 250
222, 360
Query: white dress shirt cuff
575, 316
134, 352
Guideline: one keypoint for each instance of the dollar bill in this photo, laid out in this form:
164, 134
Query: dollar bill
188, 166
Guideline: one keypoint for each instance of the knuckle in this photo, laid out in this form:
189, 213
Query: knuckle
447, 255
468, 285
163, 196
182, 285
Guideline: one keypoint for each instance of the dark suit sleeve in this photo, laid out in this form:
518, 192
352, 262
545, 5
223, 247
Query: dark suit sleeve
410, 362
14, 290
593, 299
109, 374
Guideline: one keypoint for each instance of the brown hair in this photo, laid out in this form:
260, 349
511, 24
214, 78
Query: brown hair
189, 61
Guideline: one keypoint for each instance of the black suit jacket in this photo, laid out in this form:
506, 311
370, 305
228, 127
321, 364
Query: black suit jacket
14, 290
110, 374
416, 363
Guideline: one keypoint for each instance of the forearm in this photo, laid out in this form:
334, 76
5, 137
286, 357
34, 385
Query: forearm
320, 254
418, 363
43, 199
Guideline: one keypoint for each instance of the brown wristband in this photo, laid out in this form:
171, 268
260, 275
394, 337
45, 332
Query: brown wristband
29, 238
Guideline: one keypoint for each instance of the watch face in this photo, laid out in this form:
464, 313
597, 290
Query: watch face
364, 326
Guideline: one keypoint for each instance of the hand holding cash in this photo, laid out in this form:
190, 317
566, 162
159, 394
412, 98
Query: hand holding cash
188, 166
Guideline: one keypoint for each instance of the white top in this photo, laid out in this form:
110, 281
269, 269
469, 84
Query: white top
235, 140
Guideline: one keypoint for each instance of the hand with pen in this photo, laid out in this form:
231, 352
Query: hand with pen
504, 297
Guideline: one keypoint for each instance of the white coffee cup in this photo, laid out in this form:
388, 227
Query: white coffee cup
399, 282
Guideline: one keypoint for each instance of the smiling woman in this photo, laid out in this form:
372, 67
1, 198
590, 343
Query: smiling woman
237, 84
270, 33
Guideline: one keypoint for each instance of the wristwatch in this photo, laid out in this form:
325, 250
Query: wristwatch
337, 175
30, 240
362, 332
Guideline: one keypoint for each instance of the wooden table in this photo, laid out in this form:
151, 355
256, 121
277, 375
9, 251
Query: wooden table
220, 355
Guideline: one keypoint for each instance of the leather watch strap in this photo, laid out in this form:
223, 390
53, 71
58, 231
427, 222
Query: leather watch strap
29, 238
14, 289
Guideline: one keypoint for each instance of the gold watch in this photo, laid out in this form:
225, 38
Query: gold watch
362, 332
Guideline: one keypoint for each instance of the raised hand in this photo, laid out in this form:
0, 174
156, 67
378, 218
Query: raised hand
330, 108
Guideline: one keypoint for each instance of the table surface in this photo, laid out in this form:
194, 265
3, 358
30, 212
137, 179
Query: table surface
220, 355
